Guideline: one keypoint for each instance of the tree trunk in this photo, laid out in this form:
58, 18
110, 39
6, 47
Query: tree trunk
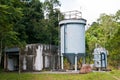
1, 50
0, 57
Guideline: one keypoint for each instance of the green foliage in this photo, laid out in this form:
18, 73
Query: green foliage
9, 16
66, 64
27, 21
30, 26
114, 58
34, 28
24, 23
105, 32
52, 21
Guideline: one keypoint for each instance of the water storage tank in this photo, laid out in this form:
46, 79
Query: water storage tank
72, 38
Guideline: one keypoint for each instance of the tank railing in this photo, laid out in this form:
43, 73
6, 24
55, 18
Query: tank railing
26, 1
72, 14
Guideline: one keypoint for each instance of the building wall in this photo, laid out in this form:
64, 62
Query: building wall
37, 57
34, 57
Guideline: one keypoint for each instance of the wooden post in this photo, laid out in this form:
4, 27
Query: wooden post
19, 62
4, 61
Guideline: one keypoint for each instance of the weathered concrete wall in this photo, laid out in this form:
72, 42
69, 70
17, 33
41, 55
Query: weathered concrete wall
38, 65
36, 57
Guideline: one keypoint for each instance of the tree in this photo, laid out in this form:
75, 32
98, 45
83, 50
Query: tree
114, 49
52, 15
105, 33
34, 28
113, 43
8, 17
30, 27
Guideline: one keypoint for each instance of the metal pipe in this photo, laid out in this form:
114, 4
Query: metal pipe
62, 62
75, 62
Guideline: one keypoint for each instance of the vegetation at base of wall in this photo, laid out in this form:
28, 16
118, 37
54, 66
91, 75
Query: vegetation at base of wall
113, 75
66, 64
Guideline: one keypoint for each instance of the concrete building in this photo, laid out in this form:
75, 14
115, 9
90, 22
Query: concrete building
34, 57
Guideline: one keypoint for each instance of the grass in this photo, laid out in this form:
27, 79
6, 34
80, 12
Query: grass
90, 76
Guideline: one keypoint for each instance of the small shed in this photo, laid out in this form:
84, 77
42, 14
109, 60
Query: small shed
11, 59
100, 58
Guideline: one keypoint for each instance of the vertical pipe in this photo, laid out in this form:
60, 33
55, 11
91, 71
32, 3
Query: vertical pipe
62, 64
62, 61
75, 62
65, 38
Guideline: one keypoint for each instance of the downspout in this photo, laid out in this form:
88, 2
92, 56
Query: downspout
62, 64
65, 37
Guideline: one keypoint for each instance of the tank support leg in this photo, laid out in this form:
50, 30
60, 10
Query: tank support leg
75, 62
62, 62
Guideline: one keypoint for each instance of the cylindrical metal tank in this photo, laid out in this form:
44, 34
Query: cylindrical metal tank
73, 36
72, 39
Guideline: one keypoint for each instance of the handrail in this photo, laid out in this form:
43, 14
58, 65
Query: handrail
72, 14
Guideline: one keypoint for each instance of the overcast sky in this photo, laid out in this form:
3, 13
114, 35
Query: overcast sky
91, 9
